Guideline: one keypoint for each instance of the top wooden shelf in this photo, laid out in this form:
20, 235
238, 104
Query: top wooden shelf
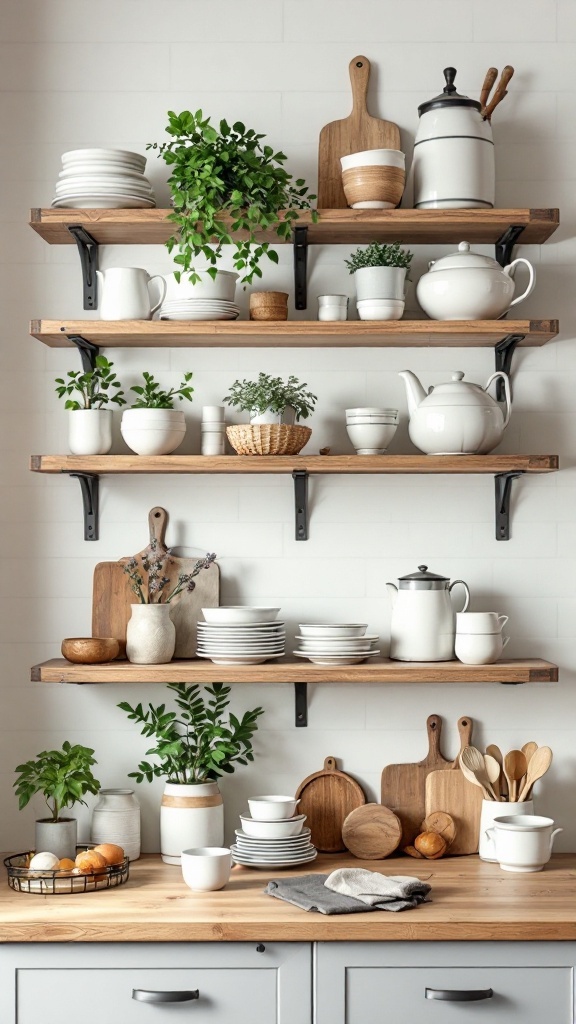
334, 227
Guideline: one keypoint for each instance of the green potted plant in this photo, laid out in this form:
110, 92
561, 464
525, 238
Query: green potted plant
152, 426
86, 394
193, 747
271, 399
63, 777
225, 181
380, 271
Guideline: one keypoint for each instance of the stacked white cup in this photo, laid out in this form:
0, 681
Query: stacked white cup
479, 639
213, 430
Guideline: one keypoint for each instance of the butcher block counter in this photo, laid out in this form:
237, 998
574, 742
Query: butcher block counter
471, 900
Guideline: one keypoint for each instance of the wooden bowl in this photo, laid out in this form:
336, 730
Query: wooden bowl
90, 650
373, 184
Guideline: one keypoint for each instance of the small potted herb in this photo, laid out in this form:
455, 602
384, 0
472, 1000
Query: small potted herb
152, 426
63, 777
193, 747
86, 394
379, 277
271, 399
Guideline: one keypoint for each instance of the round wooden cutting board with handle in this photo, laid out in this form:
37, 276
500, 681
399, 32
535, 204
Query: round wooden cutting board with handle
327, 798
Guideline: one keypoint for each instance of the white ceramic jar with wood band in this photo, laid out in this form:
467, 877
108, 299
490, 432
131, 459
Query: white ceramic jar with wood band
191, 816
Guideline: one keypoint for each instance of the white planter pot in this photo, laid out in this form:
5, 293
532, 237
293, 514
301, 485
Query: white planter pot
150, 635
191, 816
116, 819
90, 431
153, 431
57, 837
380, 283
287, 415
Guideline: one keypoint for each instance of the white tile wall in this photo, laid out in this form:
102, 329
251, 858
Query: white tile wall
72, 74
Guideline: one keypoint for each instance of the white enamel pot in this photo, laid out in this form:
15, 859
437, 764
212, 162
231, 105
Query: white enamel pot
523, 842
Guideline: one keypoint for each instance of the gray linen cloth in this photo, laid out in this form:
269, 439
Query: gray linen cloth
385, 892
310, 892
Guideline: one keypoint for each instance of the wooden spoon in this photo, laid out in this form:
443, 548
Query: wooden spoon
515, 768
472, 759
471, 777
539, 765
492, 768
499, 92
491, 76
529, 749
502, 786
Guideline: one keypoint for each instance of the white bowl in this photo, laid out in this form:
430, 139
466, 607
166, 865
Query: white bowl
354, 420
374, 158
224, 287
206, 868
384, 309
371, 435
272, 808
332, 629
273, 829
371, 411
236, 614
153, 431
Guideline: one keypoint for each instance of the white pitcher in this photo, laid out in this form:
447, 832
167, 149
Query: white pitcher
125, 295
423, 622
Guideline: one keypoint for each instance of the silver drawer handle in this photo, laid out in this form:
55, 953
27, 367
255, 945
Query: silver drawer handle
455, 995
143, 995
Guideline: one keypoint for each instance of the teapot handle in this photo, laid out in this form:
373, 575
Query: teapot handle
507, 394
465, 585
531, 282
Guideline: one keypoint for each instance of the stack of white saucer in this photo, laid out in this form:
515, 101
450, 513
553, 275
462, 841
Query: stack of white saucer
213, 430
198, 309
110, 179
336, 643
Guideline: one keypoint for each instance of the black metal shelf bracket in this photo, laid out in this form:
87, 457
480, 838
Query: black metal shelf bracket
504, 247
503, 494
301, 705
87, 349
88, 250
300, 266
509, 682
89, 485
300, 477
503, 353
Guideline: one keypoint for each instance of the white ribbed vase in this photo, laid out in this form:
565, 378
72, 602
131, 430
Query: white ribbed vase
116, 819
150, 635
190, 816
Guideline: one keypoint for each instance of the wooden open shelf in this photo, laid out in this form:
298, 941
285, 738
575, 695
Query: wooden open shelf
525, 670
334, 227
292, 333
485, 464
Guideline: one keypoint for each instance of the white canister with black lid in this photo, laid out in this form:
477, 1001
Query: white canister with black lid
453, 153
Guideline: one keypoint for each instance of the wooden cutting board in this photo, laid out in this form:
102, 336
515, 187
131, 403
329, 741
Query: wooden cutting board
327, 798
112, 598
449, 791
372, 832
352, 134
403, 785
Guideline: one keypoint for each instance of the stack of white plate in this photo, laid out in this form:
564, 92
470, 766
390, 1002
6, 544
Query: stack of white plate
103, 179
336, 643
272, 842
198, 309
243, 635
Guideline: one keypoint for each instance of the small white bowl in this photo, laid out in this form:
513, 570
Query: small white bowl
272, 808
369, 411
374, 158
371, 435
206, 868
384, 309
273, 829
332, 629
332, 300
235, 614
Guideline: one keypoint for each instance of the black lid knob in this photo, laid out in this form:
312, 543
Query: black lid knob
449, 75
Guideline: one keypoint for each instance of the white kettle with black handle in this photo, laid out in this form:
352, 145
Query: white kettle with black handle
423, 625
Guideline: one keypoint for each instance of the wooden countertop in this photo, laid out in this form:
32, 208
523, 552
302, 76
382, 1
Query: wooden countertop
471, 900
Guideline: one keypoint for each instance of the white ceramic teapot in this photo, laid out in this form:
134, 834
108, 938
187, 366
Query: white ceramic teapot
125, 294
456, 418
468, 286
423, 622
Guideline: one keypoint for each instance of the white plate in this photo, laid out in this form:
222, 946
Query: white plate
336, 659
240, 627
241, 634
103, 188
261, 858
243, 651
198, 316
344, 629
239, 859
238, 659
302, 837
110, 202
102, 153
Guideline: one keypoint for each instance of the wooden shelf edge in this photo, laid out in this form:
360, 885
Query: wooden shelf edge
521, 670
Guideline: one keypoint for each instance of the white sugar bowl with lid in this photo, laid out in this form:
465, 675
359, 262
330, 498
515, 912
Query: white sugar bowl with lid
453, 153
468, 286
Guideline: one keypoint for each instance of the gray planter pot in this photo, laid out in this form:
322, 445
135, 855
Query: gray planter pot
57, 837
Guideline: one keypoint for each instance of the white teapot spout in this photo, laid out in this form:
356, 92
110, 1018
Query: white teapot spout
414, 391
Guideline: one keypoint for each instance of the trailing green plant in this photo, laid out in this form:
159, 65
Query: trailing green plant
154, 586
96, 387
151, 396
379, 255
271, 393
224, 181
195, 744
62, 776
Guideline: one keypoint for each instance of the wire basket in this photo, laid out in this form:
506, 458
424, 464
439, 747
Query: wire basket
62, 883
268, 438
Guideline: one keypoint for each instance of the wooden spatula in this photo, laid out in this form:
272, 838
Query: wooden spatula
352, 134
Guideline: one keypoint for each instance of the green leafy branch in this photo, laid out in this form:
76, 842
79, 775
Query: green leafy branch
62, 776
151, 395
96, 387
271, 393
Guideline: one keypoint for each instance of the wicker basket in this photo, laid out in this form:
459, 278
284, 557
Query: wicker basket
268, 438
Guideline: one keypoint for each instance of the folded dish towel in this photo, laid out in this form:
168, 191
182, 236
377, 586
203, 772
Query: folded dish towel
309, 892
384, 892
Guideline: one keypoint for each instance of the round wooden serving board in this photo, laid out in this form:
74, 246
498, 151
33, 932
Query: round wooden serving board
327, 798
372, 832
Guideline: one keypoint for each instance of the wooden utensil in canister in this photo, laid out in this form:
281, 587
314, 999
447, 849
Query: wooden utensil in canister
490, 78
494, 751
539, 765
529, 749
499, 92
473, 759
515, 767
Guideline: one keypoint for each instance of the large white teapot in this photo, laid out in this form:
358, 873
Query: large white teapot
468, 286
456, 418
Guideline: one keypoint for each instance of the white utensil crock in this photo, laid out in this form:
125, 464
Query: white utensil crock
150, 635
492, 809
523, 842
125, 295
116, 819
191, 816
90, 431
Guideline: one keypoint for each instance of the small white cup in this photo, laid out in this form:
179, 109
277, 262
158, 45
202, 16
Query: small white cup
213, 413
523, 842
332, 300
332, 313
206, 868
480, 622
479, 648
